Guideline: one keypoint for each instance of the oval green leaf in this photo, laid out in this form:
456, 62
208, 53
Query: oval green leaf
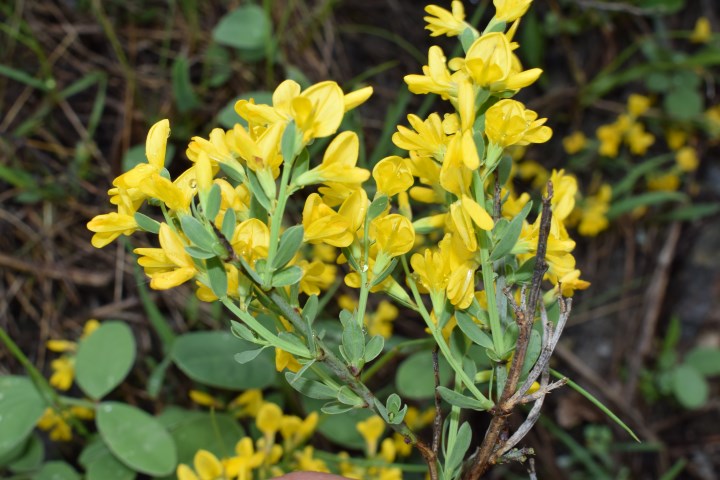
101, 464
56, 471
689, 387
104, 359
136, 438
245, 28
209, 358
21, 406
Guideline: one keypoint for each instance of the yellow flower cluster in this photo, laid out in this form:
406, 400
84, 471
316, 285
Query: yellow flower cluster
64, 366
627, 129
264, 456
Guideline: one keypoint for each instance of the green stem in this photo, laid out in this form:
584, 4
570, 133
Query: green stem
266, 334
489, 284
276, 219
437, 335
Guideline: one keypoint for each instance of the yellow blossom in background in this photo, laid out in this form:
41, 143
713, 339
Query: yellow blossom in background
268, 419
638, 139
207, 467
667, 182
702, 33
610, 137
205, 399
574, 143
371, 430
64, 367
594, 219
247, 404
638, 104
531, 171
686, 159
510, 10
58, 423
442, 22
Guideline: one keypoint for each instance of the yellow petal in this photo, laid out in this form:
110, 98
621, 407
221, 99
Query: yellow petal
157, 142
356, 98
478, 214
207, 465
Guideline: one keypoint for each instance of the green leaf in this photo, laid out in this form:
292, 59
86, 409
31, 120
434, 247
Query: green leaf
310, 310
208, 358
659, 82
30, 456
56, 471
524, 274
353, 341
228, 224
643, 200
387, 271
683, 104
373, 348
290, 242
348, 397
248, 355
199, 253
377, 207
288, 143
217, 276
310, 388
706, 360
191, 431
147, 223
136, 438
197, 233
219, 65
689, 387
212, 203
185, 97
21, 406
245, 28
458, 450
101, 464
287, 276
157, 377
510, 235
239, 330
336, 408
473, 330
460, 400
104, 359
415, 378
689, 213
257, 191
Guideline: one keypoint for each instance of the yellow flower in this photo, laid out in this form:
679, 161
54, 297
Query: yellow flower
392, 175
63, 372
638, 139
394, 234
686, 159
492, 65
251, 240
245, 460
109, 226
574, 143
668, 182
509, 10
247, 404
427, 139
170, 265
638, 104
305, 461
508, 122
268, 419
436, 77
610, 137
207, 467
442, 22
564, 191
338, 164
702, 33
675, 138
57, 423
594, 219
323, 224
285, 360
371, 430
317, 276
205, 399
317, 110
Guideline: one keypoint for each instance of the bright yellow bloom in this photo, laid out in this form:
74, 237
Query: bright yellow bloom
251, 240
268, 419
510, 10
492, 65
205, 399
702, 33
317, 110
508, 122
63, 372
170, 265
687, 159
285, 360
323, 224
392, 175
675, 138
317, 276
610, 137
394, 234
295, 431
109, 226
442, 22
371, 430
436, 77
247, 404
338, 164
427, 139
574, 142
565, 189
245, 460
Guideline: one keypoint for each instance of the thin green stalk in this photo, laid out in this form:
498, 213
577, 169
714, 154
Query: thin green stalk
266, 334
440, 341
489, 285
277, 216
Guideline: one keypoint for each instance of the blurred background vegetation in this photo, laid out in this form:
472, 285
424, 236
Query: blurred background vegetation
81, 81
